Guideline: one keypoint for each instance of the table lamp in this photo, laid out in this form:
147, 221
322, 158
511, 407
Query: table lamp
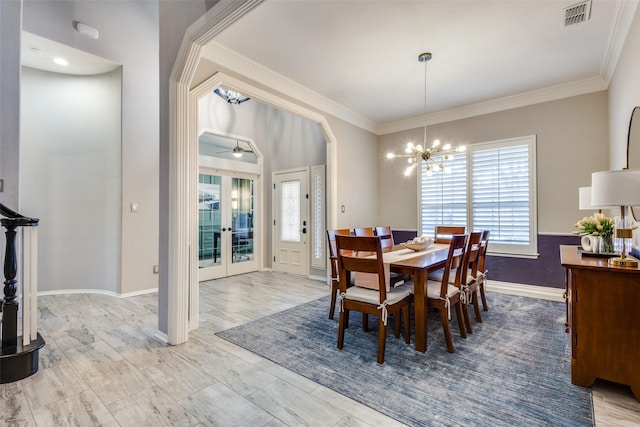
584, 199
618, 188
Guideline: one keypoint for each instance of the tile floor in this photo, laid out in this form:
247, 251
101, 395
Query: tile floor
101, 366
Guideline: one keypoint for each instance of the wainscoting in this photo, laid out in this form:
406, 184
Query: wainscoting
543, 271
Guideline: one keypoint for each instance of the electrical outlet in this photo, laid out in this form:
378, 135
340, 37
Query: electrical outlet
156, 269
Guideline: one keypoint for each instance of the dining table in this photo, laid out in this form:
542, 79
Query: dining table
419, 266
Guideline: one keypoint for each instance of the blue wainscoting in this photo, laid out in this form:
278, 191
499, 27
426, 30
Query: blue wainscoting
543, 271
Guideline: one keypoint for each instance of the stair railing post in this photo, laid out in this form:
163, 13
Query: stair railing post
10, 305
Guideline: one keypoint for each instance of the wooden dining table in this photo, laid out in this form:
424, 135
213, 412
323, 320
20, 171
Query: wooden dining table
419, 267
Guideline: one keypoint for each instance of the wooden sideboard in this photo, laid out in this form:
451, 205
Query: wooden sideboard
603, 317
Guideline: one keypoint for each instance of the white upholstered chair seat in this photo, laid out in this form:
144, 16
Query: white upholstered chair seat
437, 275
372, 296
433, 289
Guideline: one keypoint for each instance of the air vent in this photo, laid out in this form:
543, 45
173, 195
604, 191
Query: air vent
577, 13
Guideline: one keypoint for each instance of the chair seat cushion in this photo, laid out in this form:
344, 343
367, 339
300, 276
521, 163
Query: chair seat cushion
433, 289
372, 296
437, 276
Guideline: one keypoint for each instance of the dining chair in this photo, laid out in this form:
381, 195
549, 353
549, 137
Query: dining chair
364, 231
335, 282
386, 237
468, 282
376, 302
442, 295
443, 233
481, 275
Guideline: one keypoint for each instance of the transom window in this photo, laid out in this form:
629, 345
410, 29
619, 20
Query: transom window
490, 186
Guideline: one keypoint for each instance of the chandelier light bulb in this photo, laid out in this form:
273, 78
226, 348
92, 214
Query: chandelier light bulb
390, 155
446, 147
461, 148
407, 171
408, 150
410, 161
419, 148
436, 142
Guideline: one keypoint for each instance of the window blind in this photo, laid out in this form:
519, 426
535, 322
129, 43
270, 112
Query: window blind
500, 193
443, 196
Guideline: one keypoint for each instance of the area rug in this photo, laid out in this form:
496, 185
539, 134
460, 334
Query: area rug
513, 370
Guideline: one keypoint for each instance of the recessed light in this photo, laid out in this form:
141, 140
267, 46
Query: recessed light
61, 61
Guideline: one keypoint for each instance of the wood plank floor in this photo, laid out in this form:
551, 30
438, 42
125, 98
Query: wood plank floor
101, 366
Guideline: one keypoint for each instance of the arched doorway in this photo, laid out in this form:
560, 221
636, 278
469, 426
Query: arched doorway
182, 284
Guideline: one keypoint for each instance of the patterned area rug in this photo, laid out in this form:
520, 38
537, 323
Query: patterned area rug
513, 370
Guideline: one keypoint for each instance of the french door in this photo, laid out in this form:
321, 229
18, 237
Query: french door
291, 222
226, 207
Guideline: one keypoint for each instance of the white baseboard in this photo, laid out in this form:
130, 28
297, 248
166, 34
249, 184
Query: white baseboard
98, 292
161, 337
543, 292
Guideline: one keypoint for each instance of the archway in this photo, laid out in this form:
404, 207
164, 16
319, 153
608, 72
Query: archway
182, 286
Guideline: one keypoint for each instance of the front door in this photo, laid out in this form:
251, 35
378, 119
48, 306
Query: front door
291, 224
226, 225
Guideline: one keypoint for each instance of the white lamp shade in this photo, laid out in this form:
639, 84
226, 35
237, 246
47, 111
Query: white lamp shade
615, 188
584, 199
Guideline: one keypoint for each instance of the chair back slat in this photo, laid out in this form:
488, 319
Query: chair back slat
331, 236
454, 261
444, 233
364, 232
386, 237
472, 255
484, 243
349, 249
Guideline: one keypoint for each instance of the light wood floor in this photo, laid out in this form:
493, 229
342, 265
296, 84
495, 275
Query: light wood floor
102, 366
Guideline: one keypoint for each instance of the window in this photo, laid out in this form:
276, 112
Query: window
492, 187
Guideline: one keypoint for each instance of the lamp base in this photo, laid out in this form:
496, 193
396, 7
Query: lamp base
623, 262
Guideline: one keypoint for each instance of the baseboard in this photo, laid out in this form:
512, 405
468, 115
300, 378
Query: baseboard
161, 337
317, 278
98, 292
543, 292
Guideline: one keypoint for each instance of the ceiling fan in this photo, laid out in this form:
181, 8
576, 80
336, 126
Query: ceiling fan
237, 151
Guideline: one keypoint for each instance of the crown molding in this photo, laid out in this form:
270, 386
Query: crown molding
618, 37
242, 65
524, 99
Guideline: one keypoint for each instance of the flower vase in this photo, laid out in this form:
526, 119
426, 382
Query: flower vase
606, 244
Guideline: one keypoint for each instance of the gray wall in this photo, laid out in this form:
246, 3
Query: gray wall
128, 36
70, 176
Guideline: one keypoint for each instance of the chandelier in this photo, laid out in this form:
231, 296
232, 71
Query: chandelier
435, 155
232, 97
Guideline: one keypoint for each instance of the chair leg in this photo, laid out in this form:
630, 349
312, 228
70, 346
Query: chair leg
460, 316
407, 325
484, 298
476, 307
467, 319
444, 318
332, 307
365, 322
382, 340
396, 324
344, 317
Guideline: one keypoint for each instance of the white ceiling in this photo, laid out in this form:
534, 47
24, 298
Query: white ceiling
363, 55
